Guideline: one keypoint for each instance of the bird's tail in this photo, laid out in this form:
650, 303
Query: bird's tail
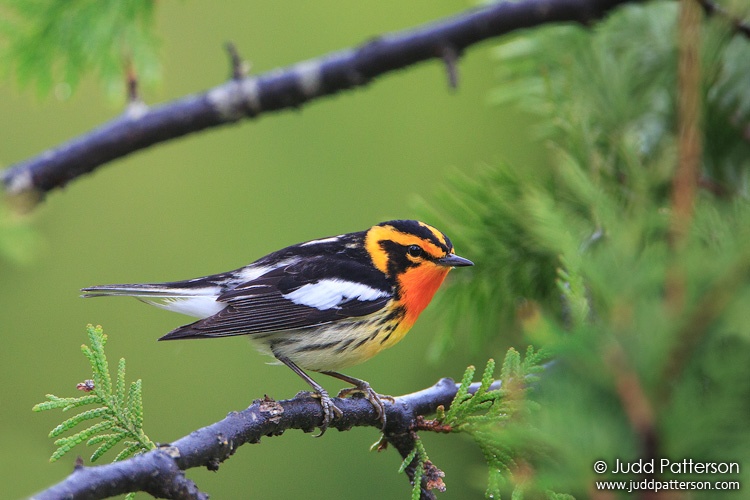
199, 302
145, 290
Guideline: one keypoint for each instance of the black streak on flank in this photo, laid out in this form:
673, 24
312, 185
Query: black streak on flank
286, 341
317, 347
346, 343
360, 343
396, 314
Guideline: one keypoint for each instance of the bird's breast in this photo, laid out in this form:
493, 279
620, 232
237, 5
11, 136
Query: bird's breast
417, 287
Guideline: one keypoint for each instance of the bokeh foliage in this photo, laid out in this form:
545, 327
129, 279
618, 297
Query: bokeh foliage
578, 254
46, 43
19, 242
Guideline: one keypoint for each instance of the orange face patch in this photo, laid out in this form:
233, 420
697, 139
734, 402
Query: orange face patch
418, 286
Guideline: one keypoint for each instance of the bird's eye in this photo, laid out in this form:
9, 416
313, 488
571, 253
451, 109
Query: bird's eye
415, 251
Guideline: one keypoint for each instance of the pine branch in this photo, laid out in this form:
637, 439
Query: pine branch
160, 472
140, 127
690, 146
686, 176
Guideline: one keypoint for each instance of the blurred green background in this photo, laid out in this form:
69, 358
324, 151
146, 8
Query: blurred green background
218, 200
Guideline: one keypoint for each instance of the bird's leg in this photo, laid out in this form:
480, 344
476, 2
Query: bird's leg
330, 410
363, 387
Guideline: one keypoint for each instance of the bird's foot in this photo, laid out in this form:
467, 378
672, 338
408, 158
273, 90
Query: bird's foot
375, 399
330, 410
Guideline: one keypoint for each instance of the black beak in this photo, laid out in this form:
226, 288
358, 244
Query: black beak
453, 260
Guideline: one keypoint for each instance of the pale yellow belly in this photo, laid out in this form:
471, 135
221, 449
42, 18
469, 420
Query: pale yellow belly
336, 345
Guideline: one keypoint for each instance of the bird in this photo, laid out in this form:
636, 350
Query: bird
323, 305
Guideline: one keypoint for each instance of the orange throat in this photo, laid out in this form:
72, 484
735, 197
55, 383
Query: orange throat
418, 286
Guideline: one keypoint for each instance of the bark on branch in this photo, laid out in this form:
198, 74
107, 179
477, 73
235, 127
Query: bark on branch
140, 127
160, 472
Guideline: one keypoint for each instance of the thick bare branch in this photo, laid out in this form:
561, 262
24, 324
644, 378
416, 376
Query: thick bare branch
288, 87
160, 472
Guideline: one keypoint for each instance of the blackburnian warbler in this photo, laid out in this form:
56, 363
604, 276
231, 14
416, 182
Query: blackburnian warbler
322, 305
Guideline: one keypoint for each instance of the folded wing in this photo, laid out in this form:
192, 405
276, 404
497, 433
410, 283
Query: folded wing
301, 295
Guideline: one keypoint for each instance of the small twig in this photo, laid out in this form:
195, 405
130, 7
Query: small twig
240, 67
136, 108
422, 424
132, 83
450, 59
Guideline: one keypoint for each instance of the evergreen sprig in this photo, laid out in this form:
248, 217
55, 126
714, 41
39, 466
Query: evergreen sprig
478, 414
118, 414
421, 454
483, 414
61, 42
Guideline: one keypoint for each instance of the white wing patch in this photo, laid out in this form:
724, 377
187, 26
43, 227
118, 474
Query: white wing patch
328, 294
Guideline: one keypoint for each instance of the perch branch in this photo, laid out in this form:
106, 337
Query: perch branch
160, 471
290, 87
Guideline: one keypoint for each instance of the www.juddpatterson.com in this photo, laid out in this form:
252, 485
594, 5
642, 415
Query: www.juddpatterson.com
673, 484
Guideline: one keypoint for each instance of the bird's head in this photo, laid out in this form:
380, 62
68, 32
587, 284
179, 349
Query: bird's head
416, 256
